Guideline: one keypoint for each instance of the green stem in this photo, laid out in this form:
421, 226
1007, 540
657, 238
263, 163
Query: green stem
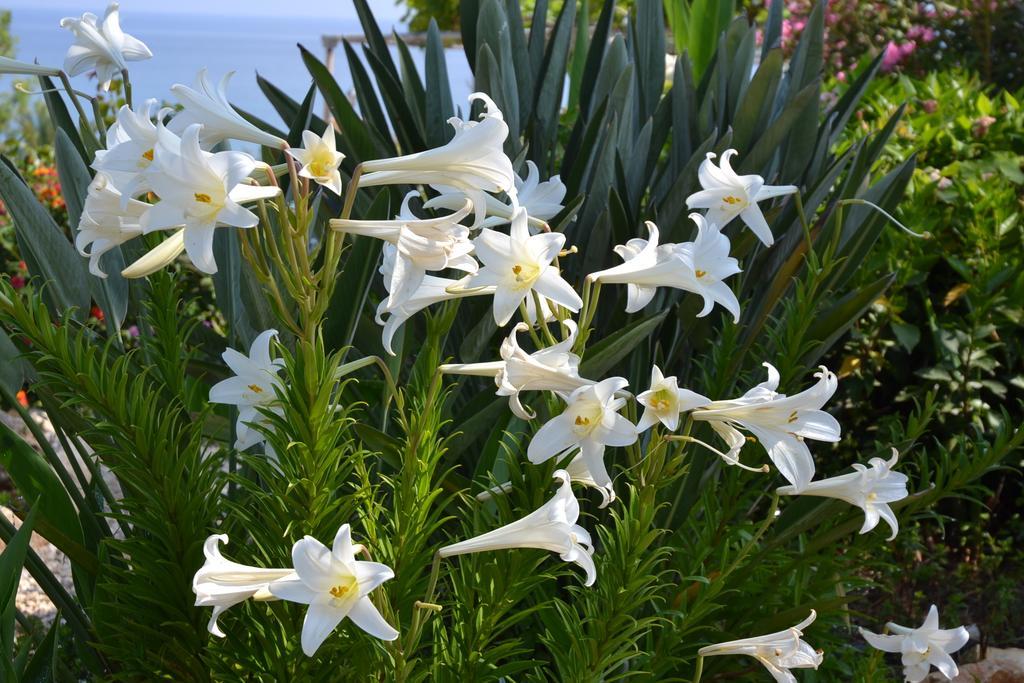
127, 84
74, 98
699, 670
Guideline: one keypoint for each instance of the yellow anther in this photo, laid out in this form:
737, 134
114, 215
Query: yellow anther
203, 197
582, 421
340, 590
148, 155
701, 273
792, 417
731, 200
256, 388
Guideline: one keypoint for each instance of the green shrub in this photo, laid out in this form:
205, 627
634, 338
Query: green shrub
949, 329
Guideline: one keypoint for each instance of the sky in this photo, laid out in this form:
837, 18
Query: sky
326, 9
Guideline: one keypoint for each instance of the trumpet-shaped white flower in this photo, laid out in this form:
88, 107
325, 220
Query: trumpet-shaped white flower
106, 222
590, 422
100, 45
922, 647
199, 190
550, 527
320, 158
663, 402
209, 106
432, 290
221, 583
699, 267
473, 161
252, 387
421, 244
554, 368
519, 263
542, 200
131, 144
869, 488
778, 652
781, 423
335, 585
727, 195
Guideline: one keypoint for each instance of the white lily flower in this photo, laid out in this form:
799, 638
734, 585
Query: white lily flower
101, 46
871, 489
106, 222
542, 200
209, 106
335, 585
727, 195
131, 143
550, 527
699, 267
519, 263
663, 402
199, 190
432, 290
320, 158
590, 422
778, 652
554, 368
473, 161
252, 387
781, 423
922, 647
221, 583
421, 245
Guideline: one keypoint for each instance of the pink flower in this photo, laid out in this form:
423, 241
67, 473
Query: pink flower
892, 57
930, 106
981, 125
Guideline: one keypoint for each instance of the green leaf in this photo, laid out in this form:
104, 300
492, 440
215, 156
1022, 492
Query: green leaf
595, 55
649, 54
12, 559
439, 94
14, 370
547, 101
42, 668
46, 251
602, 356
770, 141
907, 335
755, 109
62, 118
35, 480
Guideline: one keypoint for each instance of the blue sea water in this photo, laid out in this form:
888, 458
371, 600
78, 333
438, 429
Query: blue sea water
184, 43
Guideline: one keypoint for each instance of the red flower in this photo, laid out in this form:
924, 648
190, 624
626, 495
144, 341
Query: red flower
23, 398
96, 312
17, 281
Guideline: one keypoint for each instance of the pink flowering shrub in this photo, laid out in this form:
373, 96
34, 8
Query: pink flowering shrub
915, 37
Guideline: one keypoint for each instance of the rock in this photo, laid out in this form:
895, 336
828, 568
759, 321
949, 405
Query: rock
999, 666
